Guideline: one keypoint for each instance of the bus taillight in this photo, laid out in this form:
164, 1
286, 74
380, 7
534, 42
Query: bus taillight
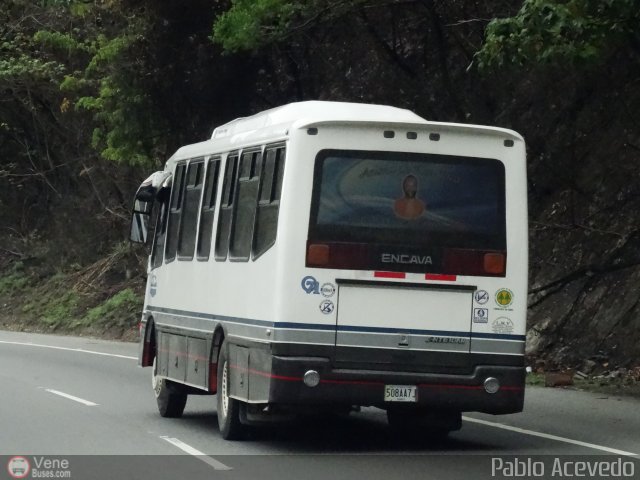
338, 255
474, 262
317, 255
494, 263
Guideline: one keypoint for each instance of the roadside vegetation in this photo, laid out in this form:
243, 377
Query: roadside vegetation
84, 301
627, 384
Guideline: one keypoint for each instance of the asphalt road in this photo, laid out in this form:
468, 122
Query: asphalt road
86, 401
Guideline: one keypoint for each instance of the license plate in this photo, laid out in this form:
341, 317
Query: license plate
400, 393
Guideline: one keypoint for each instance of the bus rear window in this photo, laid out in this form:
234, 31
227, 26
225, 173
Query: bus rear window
407, 212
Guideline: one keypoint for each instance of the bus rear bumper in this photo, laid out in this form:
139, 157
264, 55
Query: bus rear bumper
462, 393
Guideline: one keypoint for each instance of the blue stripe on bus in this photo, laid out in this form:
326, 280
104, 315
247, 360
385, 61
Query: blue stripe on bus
209, 316
340, 328
411, 331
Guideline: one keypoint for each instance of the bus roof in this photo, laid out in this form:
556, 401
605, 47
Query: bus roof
296, 115
279, 121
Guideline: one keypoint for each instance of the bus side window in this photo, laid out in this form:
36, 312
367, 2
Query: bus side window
208, 208
245, 211
226, 208
160, 233
175, 211
191, 207
266, 223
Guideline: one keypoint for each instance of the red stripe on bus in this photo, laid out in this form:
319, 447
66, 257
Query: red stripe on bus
389, 275
443, 278
266, 374
352, 382
461, 387
366, 382
512, 389
470, 387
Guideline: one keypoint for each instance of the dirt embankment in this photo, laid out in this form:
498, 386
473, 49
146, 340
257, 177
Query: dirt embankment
584, 302
102, 299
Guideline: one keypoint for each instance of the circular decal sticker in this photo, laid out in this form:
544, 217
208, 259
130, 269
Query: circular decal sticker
502, 325
481, 297
504, 297
326, 307
327, 290
18, 467
153, 285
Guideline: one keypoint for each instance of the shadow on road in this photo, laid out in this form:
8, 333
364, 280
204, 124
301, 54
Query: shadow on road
358, 433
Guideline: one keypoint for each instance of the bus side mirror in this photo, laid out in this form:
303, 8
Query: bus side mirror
143, 204
140, 219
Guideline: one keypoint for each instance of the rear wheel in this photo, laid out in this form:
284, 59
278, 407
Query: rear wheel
171, 400
228, 408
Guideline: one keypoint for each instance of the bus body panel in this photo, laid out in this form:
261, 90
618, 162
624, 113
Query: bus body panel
402, 318
511, 340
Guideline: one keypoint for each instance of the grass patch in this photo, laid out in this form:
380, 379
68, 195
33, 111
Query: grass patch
609, 386
14, 280
101, 297
119, 310
534, 379
603, 386
59, 309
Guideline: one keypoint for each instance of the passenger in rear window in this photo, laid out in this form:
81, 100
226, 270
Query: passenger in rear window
409, 207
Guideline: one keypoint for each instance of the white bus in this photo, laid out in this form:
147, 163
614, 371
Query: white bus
334, 255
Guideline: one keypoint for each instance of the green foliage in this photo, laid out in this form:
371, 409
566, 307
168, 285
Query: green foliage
90, 51
23, 69
59, 309
121, 109
120, 308
105, 87
71, 83
108, 51
535, 379
251, 24
60, 41
558, 31
13, 282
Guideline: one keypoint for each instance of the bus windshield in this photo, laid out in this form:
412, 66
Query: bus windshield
407, 204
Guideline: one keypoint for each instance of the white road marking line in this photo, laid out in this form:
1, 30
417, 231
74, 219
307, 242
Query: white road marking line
212, 462
550, 437
81, 350
71, 397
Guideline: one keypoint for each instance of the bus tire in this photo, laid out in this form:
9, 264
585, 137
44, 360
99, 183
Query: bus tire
228, 408
171, 400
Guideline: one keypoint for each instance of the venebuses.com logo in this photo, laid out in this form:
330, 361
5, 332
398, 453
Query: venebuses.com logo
39, 467
18, 467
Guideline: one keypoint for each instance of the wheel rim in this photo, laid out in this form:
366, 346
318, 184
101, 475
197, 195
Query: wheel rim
225, 396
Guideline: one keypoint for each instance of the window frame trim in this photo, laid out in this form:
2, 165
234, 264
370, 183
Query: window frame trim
191, 161
180, 163
210, 160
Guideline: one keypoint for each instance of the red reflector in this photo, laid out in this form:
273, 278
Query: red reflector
493, 262
389, 275
317, 254
442, 278
474, 262
213, 377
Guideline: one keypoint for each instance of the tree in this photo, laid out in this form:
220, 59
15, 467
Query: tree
562, 31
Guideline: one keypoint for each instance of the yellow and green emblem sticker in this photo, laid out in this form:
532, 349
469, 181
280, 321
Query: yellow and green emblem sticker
504, 297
